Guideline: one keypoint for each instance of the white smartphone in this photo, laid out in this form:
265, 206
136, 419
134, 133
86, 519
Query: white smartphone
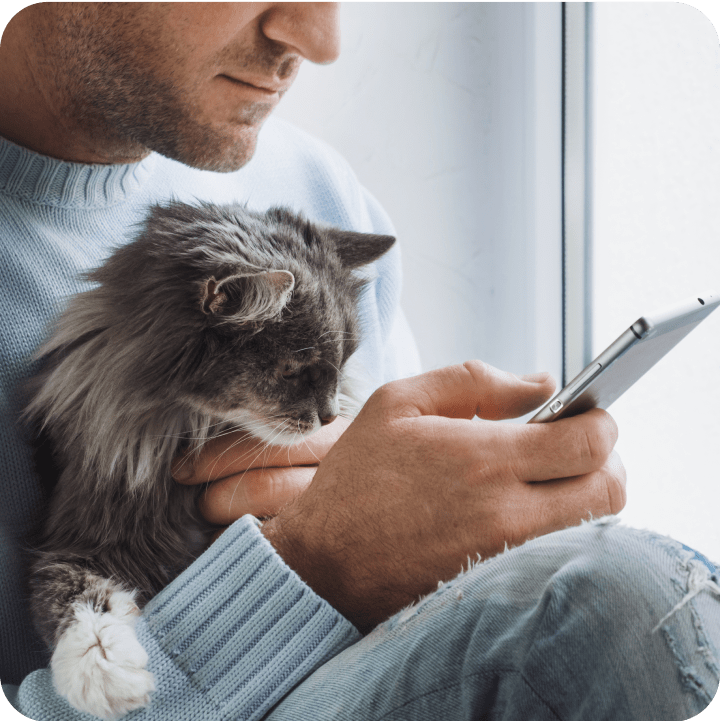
626, 360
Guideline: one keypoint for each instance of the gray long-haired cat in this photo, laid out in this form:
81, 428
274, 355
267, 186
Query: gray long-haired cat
213, 317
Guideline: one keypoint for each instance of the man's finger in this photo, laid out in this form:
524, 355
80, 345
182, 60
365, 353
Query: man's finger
561, 449
236, 452
558, 504
520, 452
469, 389
260, 492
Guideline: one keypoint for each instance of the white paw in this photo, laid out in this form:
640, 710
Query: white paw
99, 665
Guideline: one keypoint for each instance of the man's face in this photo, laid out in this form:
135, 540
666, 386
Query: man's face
192, 81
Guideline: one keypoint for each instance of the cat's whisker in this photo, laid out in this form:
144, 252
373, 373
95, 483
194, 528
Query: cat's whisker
262, 446
297, 423
240, 458
307, 445
296, 434
250, 421
246, 434
242, 439
200, 430
245, 429
335, 340
204, 439
245, 456
185, 459
334, 366
332, 330
266, 446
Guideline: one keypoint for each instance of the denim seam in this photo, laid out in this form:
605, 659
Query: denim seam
537, 694
436, 691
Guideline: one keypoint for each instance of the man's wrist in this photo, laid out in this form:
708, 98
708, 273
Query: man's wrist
293, 548
320, 568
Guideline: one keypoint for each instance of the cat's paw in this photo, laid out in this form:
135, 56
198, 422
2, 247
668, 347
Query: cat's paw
98, 663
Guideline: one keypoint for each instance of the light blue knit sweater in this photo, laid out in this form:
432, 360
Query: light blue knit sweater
238, 629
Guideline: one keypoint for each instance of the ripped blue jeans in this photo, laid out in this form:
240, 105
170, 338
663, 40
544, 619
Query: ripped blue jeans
594, 622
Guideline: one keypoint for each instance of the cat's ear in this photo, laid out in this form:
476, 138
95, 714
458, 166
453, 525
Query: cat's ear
256, 297
356, 249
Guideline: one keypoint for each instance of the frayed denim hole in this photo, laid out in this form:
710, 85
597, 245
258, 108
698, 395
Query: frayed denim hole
688, 675
699, 556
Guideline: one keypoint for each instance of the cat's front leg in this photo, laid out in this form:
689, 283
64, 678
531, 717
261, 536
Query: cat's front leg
97, 664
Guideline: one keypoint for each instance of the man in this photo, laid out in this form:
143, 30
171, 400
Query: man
106, 108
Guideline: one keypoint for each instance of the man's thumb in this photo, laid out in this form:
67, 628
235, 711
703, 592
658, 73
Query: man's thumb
474, 388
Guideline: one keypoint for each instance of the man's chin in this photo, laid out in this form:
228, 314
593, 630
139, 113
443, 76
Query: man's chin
220, 152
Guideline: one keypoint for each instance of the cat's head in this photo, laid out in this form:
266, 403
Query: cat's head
248, 317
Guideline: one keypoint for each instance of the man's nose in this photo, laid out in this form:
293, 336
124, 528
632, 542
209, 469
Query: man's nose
311, 29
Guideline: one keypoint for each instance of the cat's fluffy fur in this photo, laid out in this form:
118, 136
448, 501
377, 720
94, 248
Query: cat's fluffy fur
212, 317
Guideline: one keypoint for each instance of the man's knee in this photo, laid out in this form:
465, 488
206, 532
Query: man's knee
627, 575
635, 609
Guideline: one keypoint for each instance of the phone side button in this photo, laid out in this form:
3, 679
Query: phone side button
581, 382
555, 406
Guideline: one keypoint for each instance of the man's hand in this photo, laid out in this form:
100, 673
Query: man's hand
251, 477
415, 487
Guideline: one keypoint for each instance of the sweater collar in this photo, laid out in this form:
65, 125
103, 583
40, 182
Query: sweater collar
38, 178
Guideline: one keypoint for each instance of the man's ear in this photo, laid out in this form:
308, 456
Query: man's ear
257, 297
356, 249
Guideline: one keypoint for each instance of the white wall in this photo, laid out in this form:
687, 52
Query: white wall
450, 115
656, 209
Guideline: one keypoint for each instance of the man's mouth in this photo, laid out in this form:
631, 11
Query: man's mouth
261, 86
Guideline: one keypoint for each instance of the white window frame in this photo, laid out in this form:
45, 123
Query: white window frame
577, 190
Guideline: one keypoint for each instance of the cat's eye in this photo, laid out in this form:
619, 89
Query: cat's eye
290, 373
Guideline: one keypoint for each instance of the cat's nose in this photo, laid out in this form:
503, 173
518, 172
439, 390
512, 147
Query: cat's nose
327, 419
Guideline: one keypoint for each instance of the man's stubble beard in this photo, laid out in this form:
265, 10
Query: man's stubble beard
131, 121
115, 93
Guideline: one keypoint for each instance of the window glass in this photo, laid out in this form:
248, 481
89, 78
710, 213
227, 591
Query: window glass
656, 240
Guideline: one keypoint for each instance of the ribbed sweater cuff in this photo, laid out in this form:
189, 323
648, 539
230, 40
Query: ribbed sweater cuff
243, 625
